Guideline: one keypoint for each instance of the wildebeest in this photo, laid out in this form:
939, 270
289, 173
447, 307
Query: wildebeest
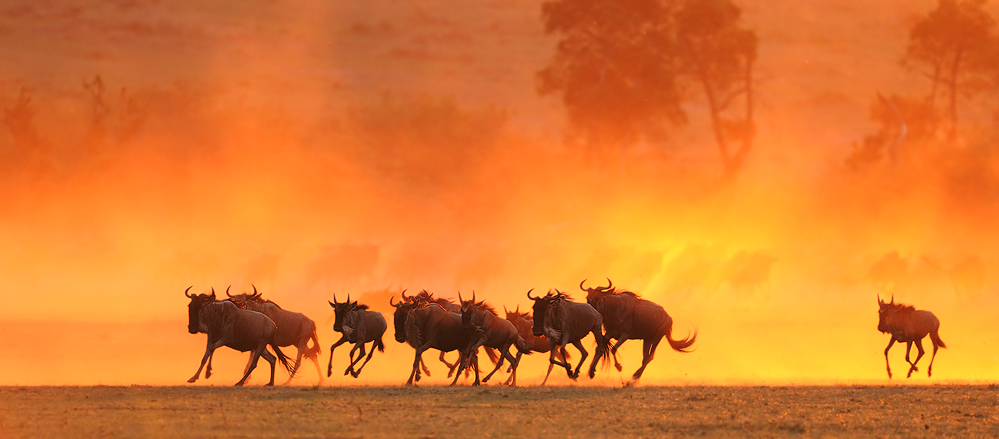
907, 324
424, 298
293, 328
629, 317
524, 323
491, 331
358, 326
566, 322
427, 325
239, 329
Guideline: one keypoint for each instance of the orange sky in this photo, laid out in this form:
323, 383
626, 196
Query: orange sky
273, 139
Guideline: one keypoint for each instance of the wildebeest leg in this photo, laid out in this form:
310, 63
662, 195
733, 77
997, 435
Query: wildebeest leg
579, 345
352, 361
919, 345
620, 341
302, 348
329, 369
890, 342
451, 367
908, 347
350, 369
504, 354
315, 360
208, 371
370, 353
513, 373
257, 353
416, 363
424, 366
270, 359
648, 353
209, 350
935, 347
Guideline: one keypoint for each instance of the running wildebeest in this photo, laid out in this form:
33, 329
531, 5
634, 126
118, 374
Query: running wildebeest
524, 323
491, 331
424, 298
566, 322
427, 325
358, 326
239, 329
629, 317
907, 324
293, 328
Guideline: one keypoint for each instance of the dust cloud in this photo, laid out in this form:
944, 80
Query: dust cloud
312, 148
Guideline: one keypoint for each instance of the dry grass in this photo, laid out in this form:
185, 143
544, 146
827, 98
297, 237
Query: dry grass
140, 411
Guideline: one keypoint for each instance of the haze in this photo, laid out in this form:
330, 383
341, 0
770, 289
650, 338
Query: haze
319, 147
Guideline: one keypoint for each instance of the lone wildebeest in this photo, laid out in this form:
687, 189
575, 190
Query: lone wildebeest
907, 324
629, 317
358, 326
492, 331
424, 326
239, 329
524, 323
293, 328
566, 322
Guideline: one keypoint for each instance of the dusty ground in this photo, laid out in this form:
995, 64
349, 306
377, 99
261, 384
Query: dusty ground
139, 411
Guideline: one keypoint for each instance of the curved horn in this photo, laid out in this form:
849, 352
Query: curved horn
610, 285
529, 295
893, 298
213, 293
227, 291
333, 304
581, 285
404, 297
879, 299
189, 289
459, 297
473, 296
254, 289
348, 297
394, 304
505, 311
518, 308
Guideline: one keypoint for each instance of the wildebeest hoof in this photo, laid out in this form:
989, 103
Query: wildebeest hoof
192, 380
618, 366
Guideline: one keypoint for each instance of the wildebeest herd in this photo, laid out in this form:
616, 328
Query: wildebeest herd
247, 322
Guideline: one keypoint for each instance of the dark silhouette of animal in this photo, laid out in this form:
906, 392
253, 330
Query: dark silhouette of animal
293, 328
424, 298
565, 322
428, 326
358, 326
967, 276
907, 324
629, 317
239, 329
492, 331
524, 323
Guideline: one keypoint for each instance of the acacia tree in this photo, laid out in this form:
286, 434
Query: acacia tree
718, 55
613, 66
620, 65
956, 48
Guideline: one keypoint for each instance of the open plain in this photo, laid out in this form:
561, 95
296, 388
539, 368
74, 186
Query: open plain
576, 411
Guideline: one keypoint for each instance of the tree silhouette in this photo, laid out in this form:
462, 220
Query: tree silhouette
719, 56
620, 66
956, 48
614, 67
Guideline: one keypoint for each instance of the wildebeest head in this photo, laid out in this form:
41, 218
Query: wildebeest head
541, 305
885, 312
340, 310
194, 308
467, 309
240, 300
402, 310
597, 290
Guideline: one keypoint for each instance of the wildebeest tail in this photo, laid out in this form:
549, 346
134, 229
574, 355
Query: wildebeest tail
283, 359
603, 347
936, 339
683, 344
493, 355
378, 344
